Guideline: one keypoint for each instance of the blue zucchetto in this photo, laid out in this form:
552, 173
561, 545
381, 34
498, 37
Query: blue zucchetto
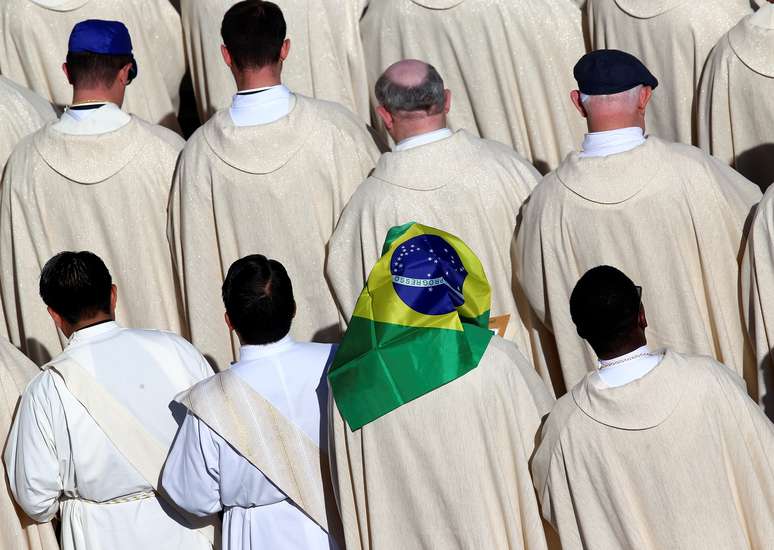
102, 37
603, 72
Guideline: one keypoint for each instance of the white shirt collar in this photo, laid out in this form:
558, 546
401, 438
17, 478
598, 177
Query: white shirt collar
90, 333
423, 139
107, 118
629, 367
611, 142
267, 105
251, 353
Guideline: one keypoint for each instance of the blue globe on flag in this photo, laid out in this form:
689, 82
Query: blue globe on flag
428, 275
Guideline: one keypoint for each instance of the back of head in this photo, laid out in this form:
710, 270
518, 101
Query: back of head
76, 285
253, 32
258, 296
96, 53
605, 307
411, 87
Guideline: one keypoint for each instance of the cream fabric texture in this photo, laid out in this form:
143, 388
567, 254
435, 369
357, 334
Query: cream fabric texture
276, 189
673, 39
447, 470
21, 113
736, 109
679, 459
33, 46
468, 186
326, 58
17, 530
107, 194
669, 216
508, 65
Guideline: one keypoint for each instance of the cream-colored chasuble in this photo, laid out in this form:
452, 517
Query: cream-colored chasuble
736, 113
21, 113
326, 55
449, 469
104, 193
508, 65
269, 441
33, 46
17, 531
669, 216
679, 459
464, 185
275, 189
673, 39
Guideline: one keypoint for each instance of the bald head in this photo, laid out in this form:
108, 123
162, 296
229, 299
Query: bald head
411, 86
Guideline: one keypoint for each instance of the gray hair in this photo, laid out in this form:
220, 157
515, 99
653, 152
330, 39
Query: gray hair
627, 98
427, 96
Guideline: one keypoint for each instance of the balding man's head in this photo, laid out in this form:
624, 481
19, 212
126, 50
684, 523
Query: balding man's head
411, 86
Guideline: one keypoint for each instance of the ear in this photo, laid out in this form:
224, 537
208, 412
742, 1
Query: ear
123, 74
642, 321
226, 56
58, 321
575, 97
113, 299
446, 101
295, 310
645, 94
386, 116
228, 322
67, 73
285, 49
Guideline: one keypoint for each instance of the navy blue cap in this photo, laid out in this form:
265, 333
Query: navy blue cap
102, 37
604, 72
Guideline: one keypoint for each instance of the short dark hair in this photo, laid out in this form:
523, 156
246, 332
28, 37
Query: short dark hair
76, 285
253, 32
605, 306
258, 296
428, 96
88, 69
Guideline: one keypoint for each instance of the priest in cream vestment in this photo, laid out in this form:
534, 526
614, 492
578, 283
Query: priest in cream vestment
93, 430
17, 530
254, 442
736, 114
270, 175
435, 418
655, 449
98, 178
506, 63
441, 178
33, 44
327, 60
674, 38
668, 214
21, 113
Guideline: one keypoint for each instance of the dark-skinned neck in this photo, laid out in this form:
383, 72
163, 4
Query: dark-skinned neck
631, 344
98, 319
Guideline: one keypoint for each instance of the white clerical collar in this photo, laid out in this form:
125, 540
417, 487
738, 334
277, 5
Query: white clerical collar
106, 117
423, 139
90, 333
611, 142
260, 105
629, 367
251, 353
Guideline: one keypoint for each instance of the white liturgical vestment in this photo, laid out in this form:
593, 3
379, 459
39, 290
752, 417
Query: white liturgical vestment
679, 458
275, 189
204, 474
33, 45
97, 180
736, 98
671, 217
326, 55
460, 183
17, 530
508, 65
21, 113
60, 460
673, 39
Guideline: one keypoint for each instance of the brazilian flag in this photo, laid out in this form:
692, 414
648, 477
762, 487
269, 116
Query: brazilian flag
420, 322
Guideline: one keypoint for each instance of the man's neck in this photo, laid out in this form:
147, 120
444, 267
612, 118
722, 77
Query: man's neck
96, 95
401, 132
260, 78
69, 330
